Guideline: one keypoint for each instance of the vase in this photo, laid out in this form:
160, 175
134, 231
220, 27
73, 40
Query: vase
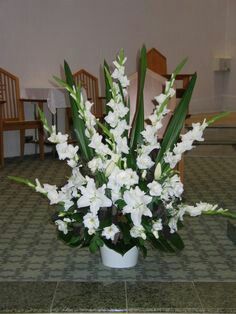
111, 258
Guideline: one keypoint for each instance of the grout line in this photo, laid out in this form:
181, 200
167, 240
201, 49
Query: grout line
198, 296
126, 297
53, 298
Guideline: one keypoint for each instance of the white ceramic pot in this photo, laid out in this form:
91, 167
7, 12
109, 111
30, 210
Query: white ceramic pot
113, 259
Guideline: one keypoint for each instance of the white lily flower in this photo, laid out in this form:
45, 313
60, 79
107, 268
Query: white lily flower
91, 222
93, 197
137, 202
110, 232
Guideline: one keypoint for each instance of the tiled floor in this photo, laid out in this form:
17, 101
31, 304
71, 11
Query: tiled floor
133, 297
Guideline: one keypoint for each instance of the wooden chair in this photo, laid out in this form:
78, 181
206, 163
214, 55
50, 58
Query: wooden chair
12, 115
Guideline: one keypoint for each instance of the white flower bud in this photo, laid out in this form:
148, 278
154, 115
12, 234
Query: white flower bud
157, 172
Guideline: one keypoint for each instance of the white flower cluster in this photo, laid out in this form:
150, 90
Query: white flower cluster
172, 158
113, 183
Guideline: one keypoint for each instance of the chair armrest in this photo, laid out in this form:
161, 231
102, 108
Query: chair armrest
101, 97
33, 100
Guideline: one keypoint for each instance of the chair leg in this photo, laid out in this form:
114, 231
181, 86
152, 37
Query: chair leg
41, 143
1, 149
22, 143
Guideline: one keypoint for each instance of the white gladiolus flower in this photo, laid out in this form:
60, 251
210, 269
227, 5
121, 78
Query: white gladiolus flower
136, 201
91, 222
77, 179
144, 162
93, 197
172, 188
161, 98
112, 118
172, 159
57, 138
138, 232
173, 224
149, 134
155, 188
110, 232
122, 145
52, 193
62, 226
118, 108
95, 164
98, 146
119, 178
199, 208
39, 187
120, 129
182, 147
72, 163
156, 226
66, 151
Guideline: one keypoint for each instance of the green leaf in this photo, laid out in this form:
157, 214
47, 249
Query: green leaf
138, 125
177, 122
22, 181
78, 123
217, 117
108, 93
224, 213
44, 121
176, 241
179, 67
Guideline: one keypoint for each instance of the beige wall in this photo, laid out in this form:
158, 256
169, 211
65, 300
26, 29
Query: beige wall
229, 92
36, 36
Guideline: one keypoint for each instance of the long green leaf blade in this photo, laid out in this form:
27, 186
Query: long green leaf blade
177, 122
138, 125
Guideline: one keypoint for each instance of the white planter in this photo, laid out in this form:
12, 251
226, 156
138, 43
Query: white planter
113, 259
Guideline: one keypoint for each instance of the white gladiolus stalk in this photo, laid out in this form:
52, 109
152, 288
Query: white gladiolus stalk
150, 133
116, 117
172, 158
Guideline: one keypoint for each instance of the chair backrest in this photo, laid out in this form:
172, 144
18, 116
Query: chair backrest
10, 93
90, 83
156, 62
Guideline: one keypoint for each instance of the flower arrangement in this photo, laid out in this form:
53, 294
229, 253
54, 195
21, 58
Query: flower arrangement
124, 189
